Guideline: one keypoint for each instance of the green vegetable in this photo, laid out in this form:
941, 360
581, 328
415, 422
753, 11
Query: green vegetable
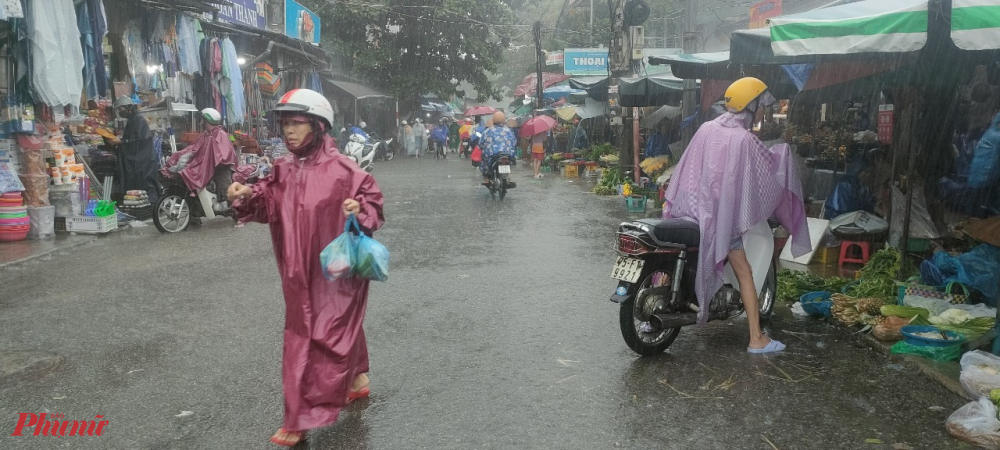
878, 277
793, 284
995, 395
905, 312
971, 329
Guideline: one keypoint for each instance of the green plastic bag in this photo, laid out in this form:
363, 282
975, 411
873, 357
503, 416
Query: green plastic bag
949, 353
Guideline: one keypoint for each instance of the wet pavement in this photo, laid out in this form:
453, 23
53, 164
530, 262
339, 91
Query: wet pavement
493, 331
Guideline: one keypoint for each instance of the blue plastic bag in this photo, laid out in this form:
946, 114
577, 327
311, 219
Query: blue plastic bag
978, 269
337, 258
371, 259
355, 254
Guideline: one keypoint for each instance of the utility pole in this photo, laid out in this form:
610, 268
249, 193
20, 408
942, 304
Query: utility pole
536, 30
591, 40
690, 100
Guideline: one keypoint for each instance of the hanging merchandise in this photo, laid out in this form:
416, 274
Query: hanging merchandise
93, 27
12, 8
187, 45
57, 58
233, 83
266, 79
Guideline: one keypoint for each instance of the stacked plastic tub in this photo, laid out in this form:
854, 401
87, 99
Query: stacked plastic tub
14, 221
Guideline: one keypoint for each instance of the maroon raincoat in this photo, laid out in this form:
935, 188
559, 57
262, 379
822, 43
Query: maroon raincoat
325, 347
211, 150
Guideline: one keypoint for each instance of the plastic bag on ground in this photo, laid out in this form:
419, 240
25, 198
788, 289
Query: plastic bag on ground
337, 258
980, 373
976, 423
932, 353
977, 269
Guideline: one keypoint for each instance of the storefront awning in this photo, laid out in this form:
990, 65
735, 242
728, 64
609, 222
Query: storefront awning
650, 91
697, 65
871, 26
355, 90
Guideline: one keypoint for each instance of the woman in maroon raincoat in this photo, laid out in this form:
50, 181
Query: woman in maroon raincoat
306, 201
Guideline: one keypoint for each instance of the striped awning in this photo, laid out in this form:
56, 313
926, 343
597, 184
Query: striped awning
871, 26
975, 24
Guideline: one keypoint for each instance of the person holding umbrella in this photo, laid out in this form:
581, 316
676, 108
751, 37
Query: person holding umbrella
537, 127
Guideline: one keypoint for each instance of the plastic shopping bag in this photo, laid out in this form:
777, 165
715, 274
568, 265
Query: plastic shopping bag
371, 259
337, 258
980, 373
976, 423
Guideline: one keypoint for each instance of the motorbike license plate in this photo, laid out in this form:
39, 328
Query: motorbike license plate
627, 269
503, 169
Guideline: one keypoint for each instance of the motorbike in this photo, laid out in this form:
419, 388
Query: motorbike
178, 204
360, 151
383, 149
500, 177
439, 148
656, 270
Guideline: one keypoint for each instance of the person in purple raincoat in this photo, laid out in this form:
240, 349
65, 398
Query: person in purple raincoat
305, 202
728, 182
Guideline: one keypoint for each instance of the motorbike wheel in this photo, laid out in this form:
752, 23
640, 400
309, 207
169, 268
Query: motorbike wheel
168, 221
768, 293
630, 318
503, 188
388, 154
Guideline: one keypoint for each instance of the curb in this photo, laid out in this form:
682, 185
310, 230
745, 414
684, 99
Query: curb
932, 369
68, 246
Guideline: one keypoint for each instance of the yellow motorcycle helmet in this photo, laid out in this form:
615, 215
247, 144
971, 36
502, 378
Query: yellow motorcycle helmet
742, 92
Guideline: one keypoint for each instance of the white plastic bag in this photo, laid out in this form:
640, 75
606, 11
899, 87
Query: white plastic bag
921, 225
976, 423
980, 373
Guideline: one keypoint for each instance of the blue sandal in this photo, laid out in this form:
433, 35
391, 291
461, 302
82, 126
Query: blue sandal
772, 347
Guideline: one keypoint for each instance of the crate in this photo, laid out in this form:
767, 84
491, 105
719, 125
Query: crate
635, 203
139, 212
572, 171
60, 224
92, 225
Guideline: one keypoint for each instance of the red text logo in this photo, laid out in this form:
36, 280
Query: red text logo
51, 425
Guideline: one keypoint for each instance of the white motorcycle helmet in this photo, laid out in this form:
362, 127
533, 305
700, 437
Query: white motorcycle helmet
211, 115
307, 101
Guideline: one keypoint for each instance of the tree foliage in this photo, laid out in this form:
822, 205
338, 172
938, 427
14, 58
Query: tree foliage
414, 47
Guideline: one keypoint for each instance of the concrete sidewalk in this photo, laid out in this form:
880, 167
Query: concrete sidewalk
18, 252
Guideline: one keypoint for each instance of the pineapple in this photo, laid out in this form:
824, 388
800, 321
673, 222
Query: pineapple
870, 306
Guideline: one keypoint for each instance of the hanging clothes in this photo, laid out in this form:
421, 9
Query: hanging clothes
99, 29
187, 45
235, 97
57, 66
84, 24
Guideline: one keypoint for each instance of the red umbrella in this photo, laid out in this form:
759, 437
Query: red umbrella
537, 125
479, 111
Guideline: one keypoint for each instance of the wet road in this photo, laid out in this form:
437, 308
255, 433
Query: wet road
494, 331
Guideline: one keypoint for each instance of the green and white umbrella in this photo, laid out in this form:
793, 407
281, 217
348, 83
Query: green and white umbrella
882, 26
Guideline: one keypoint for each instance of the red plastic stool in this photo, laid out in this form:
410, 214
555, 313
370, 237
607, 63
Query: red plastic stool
845, 249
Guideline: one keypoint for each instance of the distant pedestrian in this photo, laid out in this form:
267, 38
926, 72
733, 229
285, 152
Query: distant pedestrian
419, 136
453, 139
537, 153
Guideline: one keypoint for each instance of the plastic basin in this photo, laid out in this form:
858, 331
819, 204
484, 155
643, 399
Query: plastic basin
910, 337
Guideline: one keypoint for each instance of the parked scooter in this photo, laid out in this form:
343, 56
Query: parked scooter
383, 149
656, 273
361, 152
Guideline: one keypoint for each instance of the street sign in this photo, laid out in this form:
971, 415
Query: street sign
886, 117
554, 58
585, 61
760, 12
245, 12
301, 23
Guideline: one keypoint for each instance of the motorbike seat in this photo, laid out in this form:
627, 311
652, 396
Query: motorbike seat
676, 231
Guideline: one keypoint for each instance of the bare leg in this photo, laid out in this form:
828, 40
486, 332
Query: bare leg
538, 166
748, 294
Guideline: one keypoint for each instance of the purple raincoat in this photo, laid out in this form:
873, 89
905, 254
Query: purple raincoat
728, 182
325, 347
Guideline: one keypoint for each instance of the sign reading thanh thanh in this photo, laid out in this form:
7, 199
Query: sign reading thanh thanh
760, 12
